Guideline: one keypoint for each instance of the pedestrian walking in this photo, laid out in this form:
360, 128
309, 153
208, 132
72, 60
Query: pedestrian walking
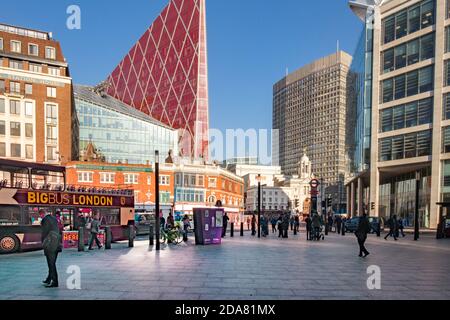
308, 222
338, 224
316, 226
186, 226
274, 224
361, 234
280, 226
330, 223
285, 225
249, 221
297, 224
94, 230
51, 243
292, 222
225, 225
392, 223
401, 228
253, 225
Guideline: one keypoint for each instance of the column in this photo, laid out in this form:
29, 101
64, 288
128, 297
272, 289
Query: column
349, 203
436, 166
360, 197
352, 199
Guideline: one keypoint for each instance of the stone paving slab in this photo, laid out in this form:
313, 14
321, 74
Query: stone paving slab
244, 268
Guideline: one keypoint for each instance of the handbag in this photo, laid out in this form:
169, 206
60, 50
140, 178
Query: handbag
88, 225
51, 242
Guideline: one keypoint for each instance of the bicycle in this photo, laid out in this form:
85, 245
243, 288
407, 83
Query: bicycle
173, 236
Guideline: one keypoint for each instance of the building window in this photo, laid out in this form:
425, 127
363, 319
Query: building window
28, 89
2, 84
201, 181
178, 180
15, 129
85, 177
51, 92
149, 180
107, 178
35, 68
14, 87
2, 149
29, 109
1, 43
51, 153
131, 178
33, 49
412, 83
50, 53
165, 180
28, 130
16, 46
54, 71
405, 146
2, 105
408, 21
407, 116
29, 151
15, 64
16, 150
2, 127
212, 182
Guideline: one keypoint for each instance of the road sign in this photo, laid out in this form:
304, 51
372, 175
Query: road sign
314, 192
314, 183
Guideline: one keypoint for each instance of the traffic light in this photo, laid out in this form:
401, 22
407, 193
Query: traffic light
372, 206
297, 203
329, 202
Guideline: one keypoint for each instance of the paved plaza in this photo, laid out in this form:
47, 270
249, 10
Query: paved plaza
240, 269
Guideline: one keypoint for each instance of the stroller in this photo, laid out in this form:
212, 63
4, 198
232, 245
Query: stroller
318, 234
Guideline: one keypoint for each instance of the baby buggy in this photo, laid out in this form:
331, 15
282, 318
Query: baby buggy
318, 234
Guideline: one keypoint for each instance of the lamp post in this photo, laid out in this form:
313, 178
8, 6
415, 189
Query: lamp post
157, 217
259, 205
416, 218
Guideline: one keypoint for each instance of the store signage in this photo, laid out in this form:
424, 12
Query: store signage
71, 199
31, 80
111, 168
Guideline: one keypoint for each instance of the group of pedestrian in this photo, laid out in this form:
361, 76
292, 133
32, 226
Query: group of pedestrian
396, 228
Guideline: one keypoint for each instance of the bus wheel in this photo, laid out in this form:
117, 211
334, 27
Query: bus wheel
9, 244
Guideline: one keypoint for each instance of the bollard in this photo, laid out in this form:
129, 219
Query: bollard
232, 230
130, 236
108, 238
81, 239
151, 236
242, 229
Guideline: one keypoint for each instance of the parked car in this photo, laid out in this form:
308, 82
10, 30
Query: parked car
352, 224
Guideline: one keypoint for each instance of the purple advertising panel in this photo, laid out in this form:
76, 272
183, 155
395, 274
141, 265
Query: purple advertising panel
208, 225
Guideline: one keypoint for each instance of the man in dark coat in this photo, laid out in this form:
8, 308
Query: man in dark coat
361, 234
51, 241
338, 224
225, 225
308, 227
285, 223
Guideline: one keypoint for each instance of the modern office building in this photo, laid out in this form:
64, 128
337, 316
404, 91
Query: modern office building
409, 127
310, 110
37, 118
119, 133
165, 75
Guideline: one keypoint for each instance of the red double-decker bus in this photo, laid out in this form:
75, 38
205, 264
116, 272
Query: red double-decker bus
27, 189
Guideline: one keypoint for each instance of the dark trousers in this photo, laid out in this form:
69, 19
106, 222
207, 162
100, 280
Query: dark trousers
51, 263
280, 232
274, 228
224, 230
253, 229
285, 233
92, 239
338, 227
308, 234
362, 248
185, 234
391, 233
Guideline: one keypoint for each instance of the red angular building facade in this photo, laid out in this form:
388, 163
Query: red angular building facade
165, 75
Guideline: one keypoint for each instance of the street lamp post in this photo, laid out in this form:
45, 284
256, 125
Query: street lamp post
259, 205
157, 216
416, 218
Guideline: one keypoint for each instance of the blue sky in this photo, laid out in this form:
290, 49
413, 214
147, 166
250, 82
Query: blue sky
250, 43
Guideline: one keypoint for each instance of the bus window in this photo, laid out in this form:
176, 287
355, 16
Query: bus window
110, 217
9, 216
32, 216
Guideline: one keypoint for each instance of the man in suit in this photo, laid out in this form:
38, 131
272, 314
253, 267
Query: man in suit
51, 241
